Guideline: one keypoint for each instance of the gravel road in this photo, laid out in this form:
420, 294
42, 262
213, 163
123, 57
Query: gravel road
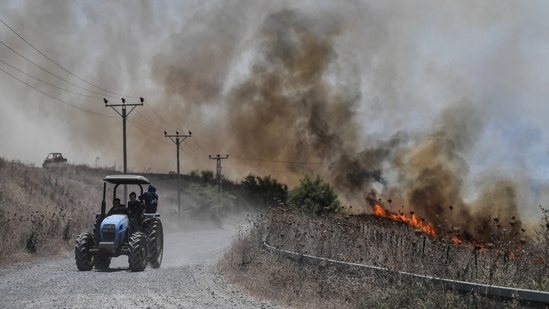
186, 279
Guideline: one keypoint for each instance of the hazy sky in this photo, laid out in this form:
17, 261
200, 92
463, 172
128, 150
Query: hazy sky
285, 87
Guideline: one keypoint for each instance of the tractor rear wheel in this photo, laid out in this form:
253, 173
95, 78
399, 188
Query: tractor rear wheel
82, 254
155, 234
138, 251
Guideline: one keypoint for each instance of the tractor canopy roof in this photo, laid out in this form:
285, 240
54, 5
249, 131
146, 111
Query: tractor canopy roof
126, 179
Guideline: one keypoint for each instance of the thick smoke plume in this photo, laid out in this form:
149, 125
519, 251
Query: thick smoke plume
423, 104
286, 111
433, 175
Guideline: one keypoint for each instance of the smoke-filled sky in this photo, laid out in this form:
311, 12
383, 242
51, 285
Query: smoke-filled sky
429, 103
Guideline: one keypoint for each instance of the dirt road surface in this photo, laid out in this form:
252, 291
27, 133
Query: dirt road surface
186, 279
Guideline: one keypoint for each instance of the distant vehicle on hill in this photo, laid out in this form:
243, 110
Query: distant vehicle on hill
54, 157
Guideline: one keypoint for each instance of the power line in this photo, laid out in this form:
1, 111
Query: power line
135, 123
60, 66
194, 151
277, 161
54, 98
139, 127
59, 77
49, 84
52, 85
149, 120
152, 122
199, 147
159, 116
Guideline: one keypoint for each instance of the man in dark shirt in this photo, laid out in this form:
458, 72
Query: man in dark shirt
117, 208
150, 198
136, 207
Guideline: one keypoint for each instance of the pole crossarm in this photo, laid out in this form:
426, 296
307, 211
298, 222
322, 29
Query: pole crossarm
124, 105
178, 139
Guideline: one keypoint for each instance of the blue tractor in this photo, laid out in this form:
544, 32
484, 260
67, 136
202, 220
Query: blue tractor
120, 232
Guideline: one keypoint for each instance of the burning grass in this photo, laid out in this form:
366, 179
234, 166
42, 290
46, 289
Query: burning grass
396, 242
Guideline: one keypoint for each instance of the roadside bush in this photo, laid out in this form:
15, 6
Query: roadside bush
314, 196
205, 202
265, 192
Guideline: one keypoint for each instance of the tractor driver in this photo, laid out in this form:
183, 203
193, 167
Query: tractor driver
117, 208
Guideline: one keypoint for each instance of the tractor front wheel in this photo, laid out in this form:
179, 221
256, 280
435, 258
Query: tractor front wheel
138, 251
84, 259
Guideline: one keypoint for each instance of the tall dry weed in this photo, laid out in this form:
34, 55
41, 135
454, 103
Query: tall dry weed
378, 242
43, 209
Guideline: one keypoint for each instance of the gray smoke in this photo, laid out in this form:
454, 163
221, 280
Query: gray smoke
430, 105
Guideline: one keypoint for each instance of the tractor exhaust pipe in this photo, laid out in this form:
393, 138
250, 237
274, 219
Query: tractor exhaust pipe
104, 203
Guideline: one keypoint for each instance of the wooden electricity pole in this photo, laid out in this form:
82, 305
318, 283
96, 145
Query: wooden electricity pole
122, 112
178, 139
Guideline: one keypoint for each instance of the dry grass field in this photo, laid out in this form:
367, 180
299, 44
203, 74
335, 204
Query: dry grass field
512, 260
43, 209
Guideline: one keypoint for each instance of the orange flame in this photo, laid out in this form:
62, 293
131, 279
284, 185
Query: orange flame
427, 228
430, 230
456, 240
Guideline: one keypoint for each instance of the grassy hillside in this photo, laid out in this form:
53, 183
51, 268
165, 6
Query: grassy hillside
44, 209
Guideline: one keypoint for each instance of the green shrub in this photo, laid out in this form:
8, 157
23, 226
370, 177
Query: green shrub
314, 196
265, 191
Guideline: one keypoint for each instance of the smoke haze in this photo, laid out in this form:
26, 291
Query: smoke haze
438, 107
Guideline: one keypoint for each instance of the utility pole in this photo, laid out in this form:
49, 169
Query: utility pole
177, 139
122, 112
218, 174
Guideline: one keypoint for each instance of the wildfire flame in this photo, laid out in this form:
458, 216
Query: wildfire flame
427, 228
430, 230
